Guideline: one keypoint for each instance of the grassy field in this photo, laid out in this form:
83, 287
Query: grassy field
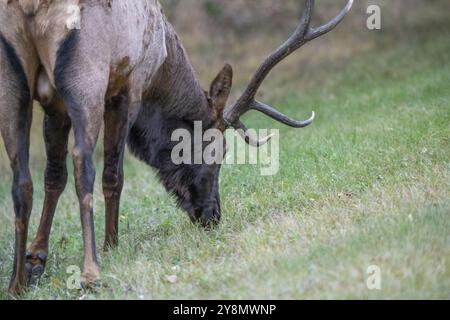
368, 184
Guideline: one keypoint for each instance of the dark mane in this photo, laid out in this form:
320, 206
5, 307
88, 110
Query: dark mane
174, 101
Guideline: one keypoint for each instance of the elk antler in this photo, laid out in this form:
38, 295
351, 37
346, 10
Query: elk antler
302, 35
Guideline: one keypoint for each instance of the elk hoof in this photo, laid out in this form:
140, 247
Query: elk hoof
17, 287
90, 281
35, 267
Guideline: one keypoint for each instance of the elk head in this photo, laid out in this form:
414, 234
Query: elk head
196, 186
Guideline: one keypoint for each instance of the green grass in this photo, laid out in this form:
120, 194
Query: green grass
368, 184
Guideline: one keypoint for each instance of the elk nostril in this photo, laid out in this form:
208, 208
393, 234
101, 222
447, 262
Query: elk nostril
210, 218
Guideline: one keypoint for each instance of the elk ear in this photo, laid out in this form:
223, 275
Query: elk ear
221, 88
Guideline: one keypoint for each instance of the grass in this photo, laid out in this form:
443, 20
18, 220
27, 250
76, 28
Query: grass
368, 184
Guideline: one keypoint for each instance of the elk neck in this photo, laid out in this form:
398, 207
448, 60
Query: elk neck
176, 90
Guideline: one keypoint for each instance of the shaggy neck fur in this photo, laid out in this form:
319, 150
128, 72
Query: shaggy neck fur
176, 89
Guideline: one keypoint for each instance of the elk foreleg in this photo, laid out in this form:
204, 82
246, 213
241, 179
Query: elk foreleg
82, 85
116, 131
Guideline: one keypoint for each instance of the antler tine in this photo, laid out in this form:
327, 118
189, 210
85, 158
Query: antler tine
280, 117
249, 138
314, 33
303, 34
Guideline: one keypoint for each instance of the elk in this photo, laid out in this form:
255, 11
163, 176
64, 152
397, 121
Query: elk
126, 68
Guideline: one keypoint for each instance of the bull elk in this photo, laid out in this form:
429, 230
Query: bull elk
125, 67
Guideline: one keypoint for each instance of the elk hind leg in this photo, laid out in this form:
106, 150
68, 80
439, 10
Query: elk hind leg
15, 124
57, 126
